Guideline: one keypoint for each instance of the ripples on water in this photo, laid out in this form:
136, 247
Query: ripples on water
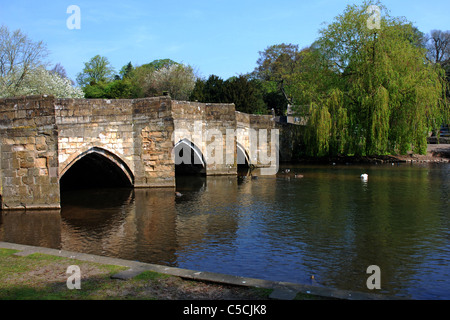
329, 224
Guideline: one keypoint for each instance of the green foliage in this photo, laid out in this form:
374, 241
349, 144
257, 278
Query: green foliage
275, 67
274, 100
319, 130
126, 70
276, 62
159, 64
376, 90
198, 93
378, 137
148, 80
118, 89
95, 91
244, 92
97, 69
211, 90
339, 136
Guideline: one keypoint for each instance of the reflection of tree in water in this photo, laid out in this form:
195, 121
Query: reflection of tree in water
441, 174
387, 222
336, 225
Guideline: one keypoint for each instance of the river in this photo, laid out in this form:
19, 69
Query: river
330, 224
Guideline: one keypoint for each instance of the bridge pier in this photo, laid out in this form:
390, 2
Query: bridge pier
153, 145
29, 154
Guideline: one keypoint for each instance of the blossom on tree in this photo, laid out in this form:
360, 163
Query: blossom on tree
39, 81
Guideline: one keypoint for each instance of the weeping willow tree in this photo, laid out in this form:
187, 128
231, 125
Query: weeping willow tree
318, 143
378, 94
328, 126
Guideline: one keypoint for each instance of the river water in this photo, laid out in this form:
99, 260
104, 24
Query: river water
330, 224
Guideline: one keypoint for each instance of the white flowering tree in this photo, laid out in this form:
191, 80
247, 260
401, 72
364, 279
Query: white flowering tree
177, 79
23, 68
39, 81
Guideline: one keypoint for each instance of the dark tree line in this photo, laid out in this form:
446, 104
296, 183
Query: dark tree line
245, 93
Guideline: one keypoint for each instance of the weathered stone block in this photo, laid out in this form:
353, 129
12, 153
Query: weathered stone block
40, 163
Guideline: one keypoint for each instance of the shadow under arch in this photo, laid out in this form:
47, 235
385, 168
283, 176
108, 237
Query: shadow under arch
188, 158
96, 167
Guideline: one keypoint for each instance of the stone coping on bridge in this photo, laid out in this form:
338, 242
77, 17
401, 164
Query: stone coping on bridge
281, 290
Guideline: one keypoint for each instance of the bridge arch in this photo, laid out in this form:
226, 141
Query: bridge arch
188, 158
90, 164
242, 155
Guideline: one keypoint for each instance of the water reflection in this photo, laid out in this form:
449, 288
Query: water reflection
38, 228
132, 224
329, 224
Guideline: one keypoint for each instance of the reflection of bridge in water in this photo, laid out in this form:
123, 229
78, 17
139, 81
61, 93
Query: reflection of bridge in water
48, 144
150, 225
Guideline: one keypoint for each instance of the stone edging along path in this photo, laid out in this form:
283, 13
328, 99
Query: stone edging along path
281, 290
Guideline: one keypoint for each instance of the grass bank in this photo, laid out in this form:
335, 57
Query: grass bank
44, 277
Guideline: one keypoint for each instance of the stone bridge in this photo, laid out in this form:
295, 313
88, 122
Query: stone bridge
49, 143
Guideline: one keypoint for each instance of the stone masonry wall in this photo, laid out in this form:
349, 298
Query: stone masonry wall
251, 124
153, 129
206, 126
29, 153
136, 133
42, 137
84, 124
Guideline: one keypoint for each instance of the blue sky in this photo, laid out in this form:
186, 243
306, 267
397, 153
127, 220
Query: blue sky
214, 36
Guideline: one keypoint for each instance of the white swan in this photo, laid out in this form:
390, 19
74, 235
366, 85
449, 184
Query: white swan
364, 176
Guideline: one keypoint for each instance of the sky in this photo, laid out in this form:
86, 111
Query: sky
217, 37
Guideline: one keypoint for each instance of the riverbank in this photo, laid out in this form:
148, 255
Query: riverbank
436, 153
36, 273
38, 276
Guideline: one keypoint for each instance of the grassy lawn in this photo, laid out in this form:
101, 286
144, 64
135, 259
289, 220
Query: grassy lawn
43, 277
